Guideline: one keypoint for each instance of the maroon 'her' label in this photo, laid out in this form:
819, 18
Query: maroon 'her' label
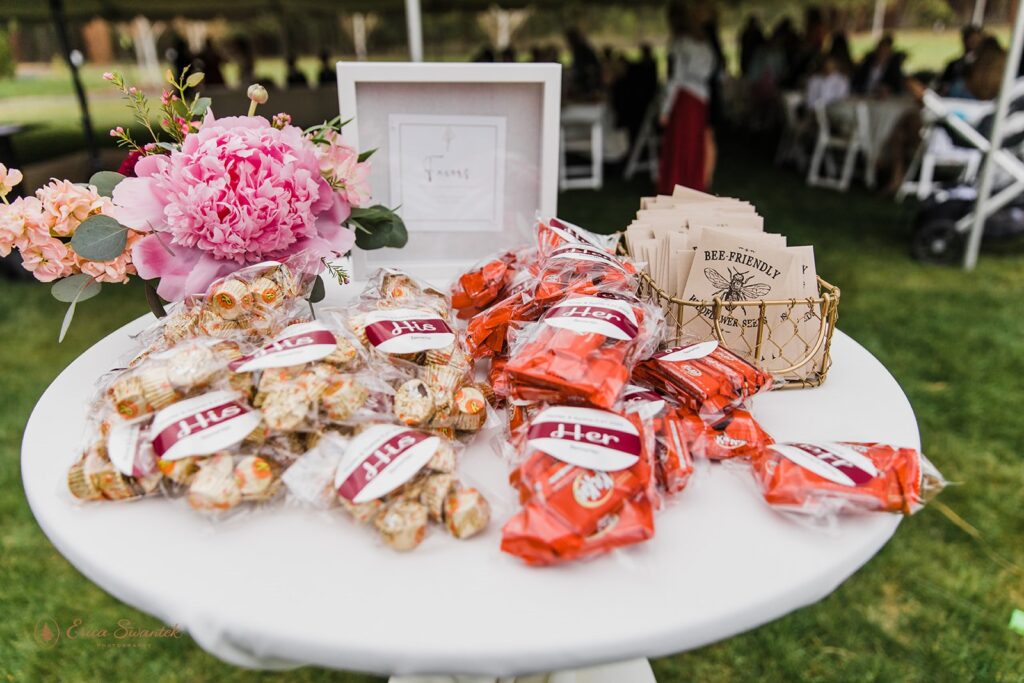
836, 462
586, 437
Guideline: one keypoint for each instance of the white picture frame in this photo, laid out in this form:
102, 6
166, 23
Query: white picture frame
519, 104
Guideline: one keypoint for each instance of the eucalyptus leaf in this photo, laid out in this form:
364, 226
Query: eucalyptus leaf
319, 291
201, 105
381, 227
366, 155
105, 182
99, 238
78, 287
194, 80
66, 323
169, 146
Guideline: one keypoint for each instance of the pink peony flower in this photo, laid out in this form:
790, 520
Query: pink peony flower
47, 257
340, 165
238, 192
65, 205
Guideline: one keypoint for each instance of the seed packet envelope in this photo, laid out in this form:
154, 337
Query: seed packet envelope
736, 269
793, 341
634, 233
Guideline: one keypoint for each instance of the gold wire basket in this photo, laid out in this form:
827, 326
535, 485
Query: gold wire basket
798, 342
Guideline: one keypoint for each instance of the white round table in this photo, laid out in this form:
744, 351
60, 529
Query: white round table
290, 586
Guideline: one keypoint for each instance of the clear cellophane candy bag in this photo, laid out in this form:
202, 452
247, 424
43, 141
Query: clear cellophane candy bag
394, 479
586, 483
705, 377
554, 232
163, 421
407, 326
673, 453
566, 266
583, 349
249, 305
820, 480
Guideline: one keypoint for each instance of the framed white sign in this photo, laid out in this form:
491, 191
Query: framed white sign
448, 172
467, 152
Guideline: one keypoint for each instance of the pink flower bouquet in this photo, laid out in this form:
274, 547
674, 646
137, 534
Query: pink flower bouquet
218, 195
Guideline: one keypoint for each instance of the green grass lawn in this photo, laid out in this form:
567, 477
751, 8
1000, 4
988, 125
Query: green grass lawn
932, 606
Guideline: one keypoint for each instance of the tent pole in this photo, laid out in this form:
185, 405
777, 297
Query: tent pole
60, 24
978, 18
414, 25
878, 19
996, 143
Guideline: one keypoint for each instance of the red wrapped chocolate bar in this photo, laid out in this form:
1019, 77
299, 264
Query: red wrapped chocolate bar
582, 350
705, 377
478, 288
566, 267
826, 478
737, 435
671, 434
586, 485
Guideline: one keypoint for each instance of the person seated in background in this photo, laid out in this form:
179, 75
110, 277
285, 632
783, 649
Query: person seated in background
640, 88
806, 59
484, 55
584, 77
750, 40
328, 73
955, 73
880, 73
985, 75
209, 62
839, 50
294, 76
827, 85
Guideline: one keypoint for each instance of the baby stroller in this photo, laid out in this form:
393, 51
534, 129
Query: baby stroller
946, 215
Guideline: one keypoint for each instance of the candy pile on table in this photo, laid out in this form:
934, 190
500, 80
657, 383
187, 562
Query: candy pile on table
604, 428
237, 386
239, 398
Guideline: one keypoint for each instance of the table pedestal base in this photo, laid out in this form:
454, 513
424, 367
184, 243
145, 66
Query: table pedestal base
632, 671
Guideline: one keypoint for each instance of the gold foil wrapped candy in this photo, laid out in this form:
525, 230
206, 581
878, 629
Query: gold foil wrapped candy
214, 486
129, 397
256, 478
344, 395
364, 513
402, 524
231, 299
436, 488
466, 513
179, 471
193, 367
414, 402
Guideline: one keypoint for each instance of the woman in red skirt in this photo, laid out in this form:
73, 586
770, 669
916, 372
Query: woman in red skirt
687, 141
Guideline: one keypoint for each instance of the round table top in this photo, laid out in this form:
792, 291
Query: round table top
293, 586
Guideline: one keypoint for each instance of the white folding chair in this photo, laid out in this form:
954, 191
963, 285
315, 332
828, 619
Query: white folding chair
646, 141
938, 151
851, 143
582, 132
791, 148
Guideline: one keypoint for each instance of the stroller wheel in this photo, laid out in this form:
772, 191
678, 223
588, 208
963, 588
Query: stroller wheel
937, 241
